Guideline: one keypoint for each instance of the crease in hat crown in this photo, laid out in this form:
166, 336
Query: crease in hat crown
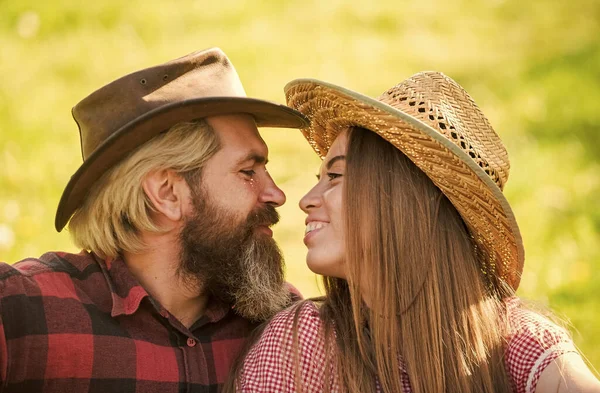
435, 122
112, 106
120, 116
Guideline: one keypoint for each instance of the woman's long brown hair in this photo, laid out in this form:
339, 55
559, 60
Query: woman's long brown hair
414, 285
414, 291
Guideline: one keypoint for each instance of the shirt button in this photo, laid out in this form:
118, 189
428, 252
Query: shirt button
164, 314
191, 342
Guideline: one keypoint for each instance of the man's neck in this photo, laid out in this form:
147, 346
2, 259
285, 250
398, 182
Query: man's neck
156, 270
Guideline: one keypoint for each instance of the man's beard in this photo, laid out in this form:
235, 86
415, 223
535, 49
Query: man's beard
230, 261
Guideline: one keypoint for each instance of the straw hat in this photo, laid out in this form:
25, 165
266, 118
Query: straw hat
119, 117
438, 126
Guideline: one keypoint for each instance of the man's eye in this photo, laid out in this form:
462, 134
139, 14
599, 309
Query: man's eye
249, 173
333, 175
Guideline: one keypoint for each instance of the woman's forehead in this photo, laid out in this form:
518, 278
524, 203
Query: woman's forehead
339, 146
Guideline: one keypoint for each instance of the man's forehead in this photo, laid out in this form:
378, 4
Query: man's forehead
241, 151
239, 134
233, 125
246, 147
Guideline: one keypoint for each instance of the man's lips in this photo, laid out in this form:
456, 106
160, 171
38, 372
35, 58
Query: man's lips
265, 229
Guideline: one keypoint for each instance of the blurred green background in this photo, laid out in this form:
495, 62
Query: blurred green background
533, 67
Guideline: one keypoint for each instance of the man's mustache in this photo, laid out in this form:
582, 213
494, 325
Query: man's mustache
263, 216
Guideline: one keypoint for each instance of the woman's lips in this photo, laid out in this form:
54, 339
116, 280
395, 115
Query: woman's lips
312, 228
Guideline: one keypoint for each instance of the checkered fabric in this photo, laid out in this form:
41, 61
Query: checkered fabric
75, 323
269, 366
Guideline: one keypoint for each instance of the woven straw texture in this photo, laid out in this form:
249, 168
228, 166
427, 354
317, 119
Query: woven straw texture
432, 120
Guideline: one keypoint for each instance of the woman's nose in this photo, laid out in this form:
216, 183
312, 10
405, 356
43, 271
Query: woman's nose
312, 199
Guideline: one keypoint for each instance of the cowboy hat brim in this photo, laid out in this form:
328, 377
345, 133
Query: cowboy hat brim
145, 127
332, 109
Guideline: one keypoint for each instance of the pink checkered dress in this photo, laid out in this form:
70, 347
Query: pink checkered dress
269, 366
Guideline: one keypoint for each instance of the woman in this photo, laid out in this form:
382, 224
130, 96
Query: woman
420, 253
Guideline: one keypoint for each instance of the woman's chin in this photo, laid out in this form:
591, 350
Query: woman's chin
324, 267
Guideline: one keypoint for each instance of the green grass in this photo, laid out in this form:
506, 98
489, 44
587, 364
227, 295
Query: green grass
534, 68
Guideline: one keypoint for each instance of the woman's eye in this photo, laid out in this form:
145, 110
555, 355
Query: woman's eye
333, 175
249, 173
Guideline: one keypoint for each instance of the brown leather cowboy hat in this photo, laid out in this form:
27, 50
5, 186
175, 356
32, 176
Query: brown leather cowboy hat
119, 117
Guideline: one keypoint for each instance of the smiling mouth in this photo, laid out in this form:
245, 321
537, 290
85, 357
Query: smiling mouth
313, 226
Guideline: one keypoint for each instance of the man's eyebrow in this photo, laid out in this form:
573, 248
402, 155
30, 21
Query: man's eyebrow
256, 157
334, 160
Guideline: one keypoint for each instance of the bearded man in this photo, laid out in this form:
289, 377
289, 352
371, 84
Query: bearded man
173, 207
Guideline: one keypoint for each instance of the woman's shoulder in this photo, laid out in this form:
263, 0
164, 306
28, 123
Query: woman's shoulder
527, 324
301, 320
303, 315
534, 341
293, 340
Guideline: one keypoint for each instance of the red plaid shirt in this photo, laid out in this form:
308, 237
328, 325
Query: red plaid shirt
270, 365
75, 323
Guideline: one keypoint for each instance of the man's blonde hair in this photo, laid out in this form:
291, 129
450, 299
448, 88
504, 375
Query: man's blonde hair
117, 210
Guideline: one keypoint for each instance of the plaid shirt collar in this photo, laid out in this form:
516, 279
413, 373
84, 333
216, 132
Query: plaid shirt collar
127, 293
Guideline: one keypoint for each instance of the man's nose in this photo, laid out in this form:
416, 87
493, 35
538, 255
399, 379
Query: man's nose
272, 194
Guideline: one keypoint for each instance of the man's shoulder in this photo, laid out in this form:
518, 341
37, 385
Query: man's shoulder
50, 262
30, 275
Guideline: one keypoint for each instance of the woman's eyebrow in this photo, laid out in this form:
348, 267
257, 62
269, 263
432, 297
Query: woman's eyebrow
334, 160
330, 163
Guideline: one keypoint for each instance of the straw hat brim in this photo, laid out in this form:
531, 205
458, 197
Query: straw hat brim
142, 129
480, 202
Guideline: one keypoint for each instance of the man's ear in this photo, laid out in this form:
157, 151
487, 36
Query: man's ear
168, 192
